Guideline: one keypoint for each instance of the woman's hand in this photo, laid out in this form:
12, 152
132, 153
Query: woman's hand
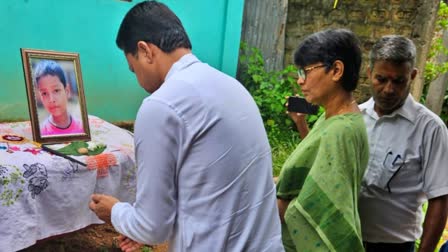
296, 117
299, 120
282, 206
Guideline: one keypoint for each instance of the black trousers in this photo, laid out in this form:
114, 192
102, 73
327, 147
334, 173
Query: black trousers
392, 247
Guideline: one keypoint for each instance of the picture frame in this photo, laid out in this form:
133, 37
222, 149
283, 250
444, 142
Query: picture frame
55, 93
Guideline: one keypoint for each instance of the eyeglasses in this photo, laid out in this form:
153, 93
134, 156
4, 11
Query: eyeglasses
396, 161
302, 72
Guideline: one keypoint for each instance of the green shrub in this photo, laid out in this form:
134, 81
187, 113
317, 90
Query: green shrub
269, 90
433, 70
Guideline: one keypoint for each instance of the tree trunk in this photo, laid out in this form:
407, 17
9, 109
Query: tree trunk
422, 33
437, 88
264, 23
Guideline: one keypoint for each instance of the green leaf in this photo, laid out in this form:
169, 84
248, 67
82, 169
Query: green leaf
73, 147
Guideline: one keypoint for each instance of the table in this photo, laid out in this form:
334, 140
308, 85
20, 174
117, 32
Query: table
43, 195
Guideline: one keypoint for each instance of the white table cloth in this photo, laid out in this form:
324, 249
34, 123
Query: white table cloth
42, 195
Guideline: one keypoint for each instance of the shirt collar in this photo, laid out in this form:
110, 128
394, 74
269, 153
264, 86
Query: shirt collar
407, 111
184, 62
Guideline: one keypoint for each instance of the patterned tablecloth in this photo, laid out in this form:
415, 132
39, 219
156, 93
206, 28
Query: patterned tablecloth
42, 195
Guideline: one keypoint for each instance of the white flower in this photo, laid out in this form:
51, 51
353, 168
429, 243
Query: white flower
92, 145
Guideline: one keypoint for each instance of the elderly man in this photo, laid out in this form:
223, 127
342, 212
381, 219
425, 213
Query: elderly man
408, 157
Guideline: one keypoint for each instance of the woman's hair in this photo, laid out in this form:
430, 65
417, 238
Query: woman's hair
154, 23
393, 48
328, 46
49, 67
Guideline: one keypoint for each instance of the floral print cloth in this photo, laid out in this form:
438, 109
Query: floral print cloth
43, 195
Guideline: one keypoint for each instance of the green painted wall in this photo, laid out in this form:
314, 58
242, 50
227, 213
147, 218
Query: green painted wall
89, 27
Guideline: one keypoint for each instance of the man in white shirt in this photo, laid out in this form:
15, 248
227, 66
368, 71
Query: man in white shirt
204, 179
408, 157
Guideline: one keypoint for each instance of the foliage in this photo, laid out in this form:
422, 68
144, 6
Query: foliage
281, 151
270, 90
146, 249
74, 148
432, 69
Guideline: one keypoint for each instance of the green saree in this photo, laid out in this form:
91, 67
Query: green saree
322, 179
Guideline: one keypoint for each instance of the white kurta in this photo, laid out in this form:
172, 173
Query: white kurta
204, 167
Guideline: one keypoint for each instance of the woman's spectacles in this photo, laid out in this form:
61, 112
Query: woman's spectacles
302, 72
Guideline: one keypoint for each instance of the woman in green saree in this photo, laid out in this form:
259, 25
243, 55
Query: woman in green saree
319, 183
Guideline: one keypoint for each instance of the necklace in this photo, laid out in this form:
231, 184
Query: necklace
344, 107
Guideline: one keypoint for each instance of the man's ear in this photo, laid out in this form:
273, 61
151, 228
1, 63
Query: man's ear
369, 72
144, 49
414, 73
338, 70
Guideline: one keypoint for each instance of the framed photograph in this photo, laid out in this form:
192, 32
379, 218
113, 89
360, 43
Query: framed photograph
55, 96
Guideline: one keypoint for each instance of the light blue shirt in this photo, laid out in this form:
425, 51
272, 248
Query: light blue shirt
204, 177
408, 164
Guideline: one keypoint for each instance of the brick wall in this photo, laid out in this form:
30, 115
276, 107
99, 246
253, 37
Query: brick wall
369, 20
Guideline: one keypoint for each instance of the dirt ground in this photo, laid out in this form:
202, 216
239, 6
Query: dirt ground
99, 238
95, 238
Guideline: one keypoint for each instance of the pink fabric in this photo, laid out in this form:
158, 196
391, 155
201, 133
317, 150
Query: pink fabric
49, 129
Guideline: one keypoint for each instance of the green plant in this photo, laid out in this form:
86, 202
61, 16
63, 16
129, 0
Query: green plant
269, 90
280, 152
146, 249
432, 69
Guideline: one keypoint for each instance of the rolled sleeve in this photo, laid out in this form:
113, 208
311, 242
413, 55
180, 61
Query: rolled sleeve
151, 219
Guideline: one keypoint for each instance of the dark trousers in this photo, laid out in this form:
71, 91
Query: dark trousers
392, 247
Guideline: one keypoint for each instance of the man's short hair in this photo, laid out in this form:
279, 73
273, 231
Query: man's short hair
328, 46
49, 67
393, 48
154, 23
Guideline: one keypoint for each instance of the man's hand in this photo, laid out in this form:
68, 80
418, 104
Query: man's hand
434, 223
128, 245
102, 205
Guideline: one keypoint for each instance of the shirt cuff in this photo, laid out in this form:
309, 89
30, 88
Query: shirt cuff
116, 216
